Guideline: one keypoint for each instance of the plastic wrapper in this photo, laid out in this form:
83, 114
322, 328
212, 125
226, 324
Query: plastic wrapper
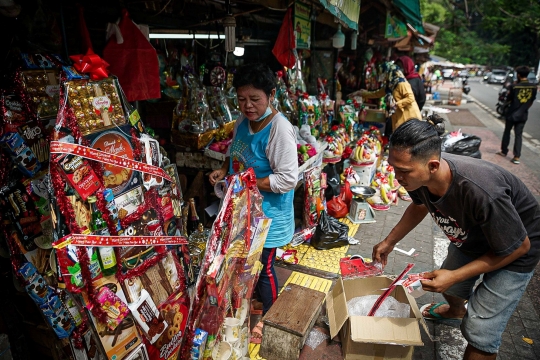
390, 307
315, 338
461, 144
330, 233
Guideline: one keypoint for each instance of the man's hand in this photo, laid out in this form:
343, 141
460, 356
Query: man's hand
216, 176
381, 251
440, 280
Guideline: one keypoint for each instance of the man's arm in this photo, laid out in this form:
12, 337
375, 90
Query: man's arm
413, 215
442, 279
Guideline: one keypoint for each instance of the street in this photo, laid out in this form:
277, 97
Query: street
487, 94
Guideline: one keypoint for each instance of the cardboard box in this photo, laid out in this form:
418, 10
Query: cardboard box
375, 115
368, 337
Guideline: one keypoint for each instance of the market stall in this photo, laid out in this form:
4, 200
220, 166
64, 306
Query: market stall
118, 246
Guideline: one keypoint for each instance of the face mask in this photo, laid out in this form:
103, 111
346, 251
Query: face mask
266, 113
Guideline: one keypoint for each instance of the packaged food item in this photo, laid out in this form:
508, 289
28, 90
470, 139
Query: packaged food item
127, 203
176, 190
115, 308
124, 339
21, 209
79, 173
34, 136
151, 156
148, 317
21, 154
13, 112
96, 104
42, 88
116, 141
58, 317
199, 342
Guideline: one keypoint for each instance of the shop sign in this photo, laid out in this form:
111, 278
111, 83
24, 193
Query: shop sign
394, 28
302, 25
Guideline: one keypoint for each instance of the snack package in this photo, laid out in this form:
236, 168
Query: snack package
96, 104
124, 338
176, 190
36, 286
58, 317
199, 342
116, 141
12, 112
175, 312
42, 88
151, 156
148, 317
79, 174
33, 135
23, 214
22, 155
115, 308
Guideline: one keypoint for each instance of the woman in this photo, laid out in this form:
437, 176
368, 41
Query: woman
398, 96
264, 140
417, 85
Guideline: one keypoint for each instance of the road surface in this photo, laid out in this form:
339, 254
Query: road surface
487, 94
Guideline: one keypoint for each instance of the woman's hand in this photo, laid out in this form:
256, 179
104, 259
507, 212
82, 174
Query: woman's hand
217, 175
357, 93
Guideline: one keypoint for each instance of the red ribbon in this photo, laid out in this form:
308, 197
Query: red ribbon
57, 147
96, 240
92, 64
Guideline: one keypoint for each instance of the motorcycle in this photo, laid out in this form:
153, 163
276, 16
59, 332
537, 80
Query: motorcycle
502, 101
464, 85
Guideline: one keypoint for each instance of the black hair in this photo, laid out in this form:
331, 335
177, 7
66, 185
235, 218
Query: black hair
523, 71
419, 138
257, 75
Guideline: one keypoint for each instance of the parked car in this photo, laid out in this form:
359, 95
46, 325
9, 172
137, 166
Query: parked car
497, 77
486, 76
464, 73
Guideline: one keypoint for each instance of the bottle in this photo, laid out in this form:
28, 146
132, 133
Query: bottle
98, 226
209, 322
193, 220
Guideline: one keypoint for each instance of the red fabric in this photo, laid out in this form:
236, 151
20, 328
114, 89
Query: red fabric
134, 62
86, 43
286, 42
408, 68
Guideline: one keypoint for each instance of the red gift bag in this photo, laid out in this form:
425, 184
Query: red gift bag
134, 62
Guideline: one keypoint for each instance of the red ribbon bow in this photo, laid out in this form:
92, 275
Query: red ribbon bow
92, 64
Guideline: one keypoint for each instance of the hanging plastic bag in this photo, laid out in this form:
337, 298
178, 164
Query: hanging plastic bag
332, 180
337, 207
330, 233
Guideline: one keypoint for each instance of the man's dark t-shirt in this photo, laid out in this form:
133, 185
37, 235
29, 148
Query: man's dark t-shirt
485, 208
522, 96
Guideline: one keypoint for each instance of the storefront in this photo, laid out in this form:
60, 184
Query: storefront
115, 244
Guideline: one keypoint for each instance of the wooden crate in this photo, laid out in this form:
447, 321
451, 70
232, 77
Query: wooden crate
288, 322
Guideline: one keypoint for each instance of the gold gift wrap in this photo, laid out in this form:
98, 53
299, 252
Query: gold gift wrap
197, 141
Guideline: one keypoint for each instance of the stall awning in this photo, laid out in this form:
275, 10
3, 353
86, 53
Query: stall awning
411, 10
347, 11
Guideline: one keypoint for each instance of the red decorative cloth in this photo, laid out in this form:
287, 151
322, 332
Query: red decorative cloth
286, 42
134, 62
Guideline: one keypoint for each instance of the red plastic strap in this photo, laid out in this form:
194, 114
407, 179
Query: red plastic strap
391, 288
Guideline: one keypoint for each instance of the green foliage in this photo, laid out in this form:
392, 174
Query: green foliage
488, 32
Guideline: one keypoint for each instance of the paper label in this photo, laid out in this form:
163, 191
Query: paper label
101, 102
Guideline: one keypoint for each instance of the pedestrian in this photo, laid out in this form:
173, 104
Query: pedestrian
439, 77
521, 96
264, 140
398, 96
407, 66
492, 221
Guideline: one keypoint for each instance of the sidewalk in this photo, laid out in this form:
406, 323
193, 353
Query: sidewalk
430, 247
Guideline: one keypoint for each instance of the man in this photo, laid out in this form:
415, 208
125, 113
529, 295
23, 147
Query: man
522, 96
492, 221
